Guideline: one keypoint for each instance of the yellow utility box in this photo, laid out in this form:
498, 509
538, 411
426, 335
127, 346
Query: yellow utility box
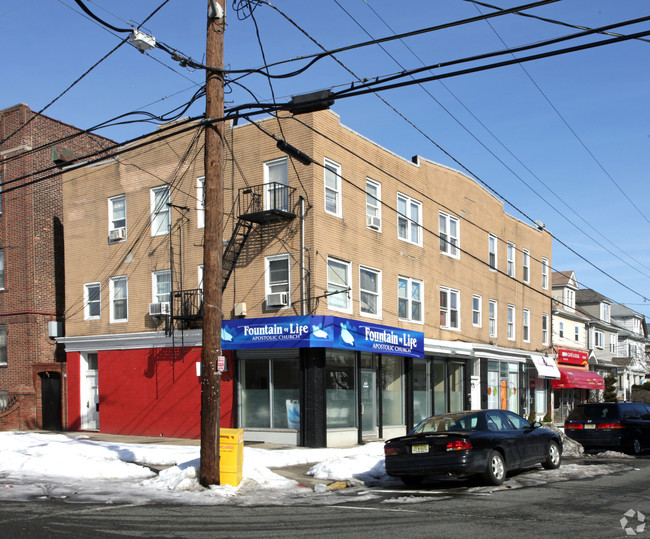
231, 456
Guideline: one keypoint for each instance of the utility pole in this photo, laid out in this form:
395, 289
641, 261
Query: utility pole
212, 247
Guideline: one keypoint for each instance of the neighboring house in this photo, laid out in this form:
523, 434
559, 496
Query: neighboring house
32, 364
570, 343
632, 348
603, 341
361, 293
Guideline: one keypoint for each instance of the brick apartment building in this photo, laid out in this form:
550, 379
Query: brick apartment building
362, 292
32, 297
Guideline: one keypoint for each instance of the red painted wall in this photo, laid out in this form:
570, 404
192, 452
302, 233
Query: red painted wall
152, 392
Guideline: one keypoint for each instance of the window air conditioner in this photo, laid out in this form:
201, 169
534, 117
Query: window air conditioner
373, 222
280, 299
117, 234
159, 309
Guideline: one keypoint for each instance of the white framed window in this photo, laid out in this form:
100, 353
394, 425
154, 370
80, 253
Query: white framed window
492, 251
276, 184
119, 298
369, 291
569, 298
339, 285
605, 312
511, 322
599, 339
492, 316
117, 217
373, 205
409, 219
278, 281
161, 286
576, 333
333, 188
512, 259
545, 329
410, 293
526, 325
613, 342
200, 202
449, 308
545, 273
477, 311
160, 211
561, 329
449, 233
525, 255
92, 301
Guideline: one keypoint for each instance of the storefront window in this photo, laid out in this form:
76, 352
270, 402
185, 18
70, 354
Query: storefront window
392, 390
341, 397
439, 393
493, 385
270, 393
456, 375
421, 390
513, 387
540, 396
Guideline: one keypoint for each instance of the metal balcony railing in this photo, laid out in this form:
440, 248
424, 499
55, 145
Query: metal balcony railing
188, 304
266, 203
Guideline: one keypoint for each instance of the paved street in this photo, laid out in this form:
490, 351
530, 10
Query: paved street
577, 508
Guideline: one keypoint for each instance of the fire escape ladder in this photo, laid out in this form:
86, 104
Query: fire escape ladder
234, 248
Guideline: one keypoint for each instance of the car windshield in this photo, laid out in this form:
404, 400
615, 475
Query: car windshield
447, 422
583, 412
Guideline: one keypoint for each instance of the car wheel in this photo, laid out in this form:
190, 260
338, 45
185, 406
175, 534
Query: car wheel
553, 457
412, 480
496, 469
635, 447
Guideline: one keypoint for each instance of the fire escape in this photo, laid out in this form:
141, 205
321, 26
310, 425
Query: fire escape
260, 205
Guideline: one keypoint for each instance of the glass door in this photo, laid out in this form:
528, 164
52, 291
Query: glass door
368, 401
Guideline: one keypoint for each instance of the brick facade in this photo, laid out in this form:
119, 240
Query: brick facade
31, 237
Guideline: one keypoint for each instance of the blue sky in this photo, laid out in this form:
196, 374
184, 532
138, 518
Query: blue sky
564, 140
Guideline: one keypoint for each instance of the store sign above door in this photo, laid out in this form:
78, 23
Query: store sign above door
320, 332
572, 357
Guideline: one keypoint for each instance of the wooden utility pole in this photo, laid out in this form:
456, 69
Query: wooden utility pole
213, 247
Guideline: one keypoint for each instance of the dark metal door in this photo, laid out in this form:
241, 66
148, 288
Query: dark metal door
51, 400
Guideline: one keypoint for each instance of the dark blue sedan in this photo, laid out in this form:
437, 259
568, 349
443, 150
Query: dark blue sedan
487, 443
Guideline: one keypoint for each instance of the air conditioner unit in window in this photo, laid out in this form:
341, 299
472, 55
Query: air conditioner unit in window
117, 234
280, 299
373, 222
159, 309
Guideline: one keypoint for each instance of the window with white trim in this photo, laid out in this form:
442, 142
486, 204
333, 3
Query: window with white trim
561, 329
576, 333
339, 285
511, 260
278, 276
525, 255
119, 299
160, 211
492, 251
161, 282
200, 202
613, 342
605, 312
545, 273
410, 293
526, 325
449, 308
477, 311
117, 215
569, 298
492, 316
332, 188
511, 322
369, 291
545, 329
449, 233
92, 301
373, 204
599, 339
409, 219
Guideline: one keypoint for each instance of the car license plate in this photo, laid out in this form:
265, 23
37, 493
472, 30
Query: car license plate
590, 426
421, 448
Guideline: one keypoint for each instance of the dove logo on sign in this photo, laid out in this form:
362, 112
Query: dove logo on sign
346, 336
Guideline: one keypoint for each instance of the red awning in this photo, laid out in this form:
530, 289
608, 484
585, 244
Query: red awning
580, 379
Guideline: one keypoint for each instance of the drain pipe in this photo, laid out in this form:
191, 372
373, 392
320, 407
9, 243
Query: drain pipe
302, 255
